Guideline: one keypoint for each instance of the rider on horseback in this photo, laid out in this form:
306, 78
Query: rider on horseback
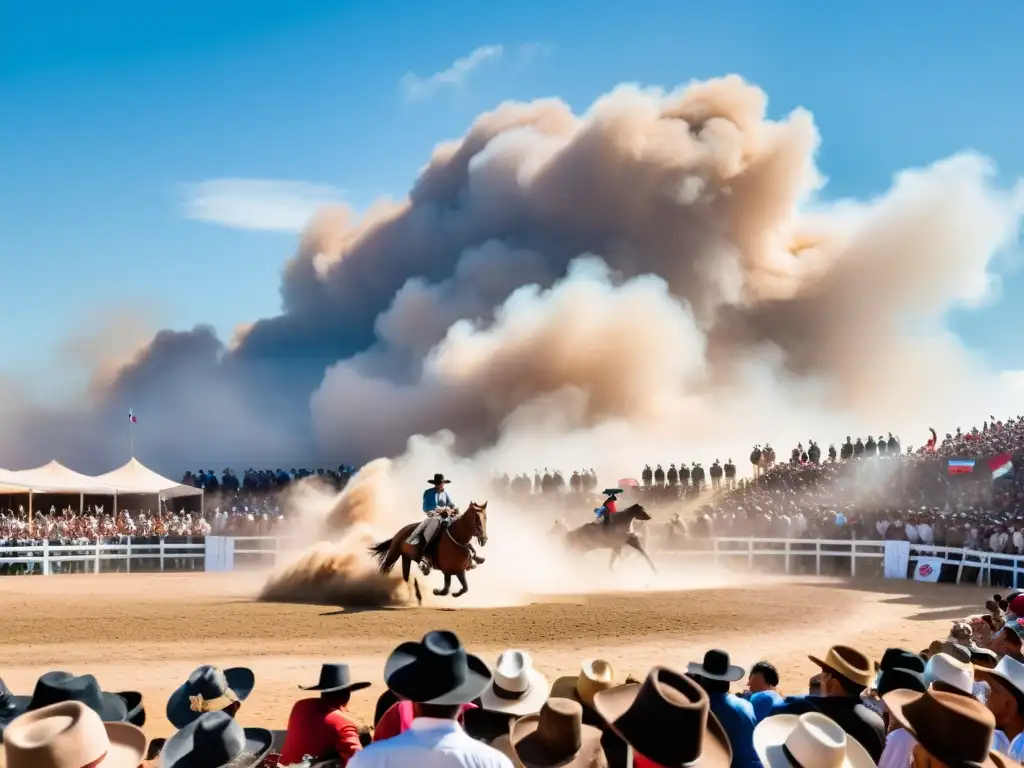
605, 511
439, 508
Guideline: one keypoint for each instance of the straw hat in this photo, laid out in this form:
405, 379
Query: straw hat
595, 675
71, 735
848, 662
811, 739
517, 687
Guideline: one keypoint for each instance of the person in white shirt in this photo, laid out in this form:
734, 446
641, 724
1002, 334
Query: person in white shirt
926, 534
438, 677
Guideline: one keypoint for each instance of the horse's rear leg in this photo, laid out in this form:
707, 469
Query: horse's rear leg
447, 586
634, 542
614, 559
465, 587
406, 562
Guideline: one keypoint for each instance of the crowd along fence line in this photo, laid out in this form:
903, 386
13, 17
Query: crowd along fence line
841, 557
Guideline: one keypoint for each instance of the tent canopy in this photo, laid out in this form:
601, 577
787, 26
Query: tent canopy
135, 477
55, 478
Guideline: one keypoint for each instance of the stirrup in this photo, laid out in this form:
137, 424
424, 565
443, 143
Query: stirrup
425, 567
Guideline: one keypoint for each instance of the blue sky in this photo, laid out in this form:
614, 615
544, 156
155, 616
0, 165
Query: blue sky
118, 119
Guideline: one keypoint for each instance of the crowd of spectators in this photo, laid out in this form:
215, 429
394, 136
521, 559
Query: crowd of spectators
958, 703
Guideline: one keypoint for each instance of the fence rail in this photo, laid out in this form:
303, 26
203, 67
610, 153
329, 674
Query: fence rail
836, 557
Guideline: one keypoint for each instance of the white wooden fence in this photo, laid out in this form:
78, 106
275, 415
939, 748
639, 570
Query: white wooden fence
791, 556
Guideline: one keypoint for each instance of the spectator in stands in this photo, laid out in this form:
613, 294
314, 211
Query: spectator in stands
210, 689
762, 689
736, 715
320, 727
71, 735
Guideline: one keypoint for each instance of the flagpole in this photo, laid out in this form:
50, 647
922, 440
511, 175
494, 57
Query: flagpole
131, 434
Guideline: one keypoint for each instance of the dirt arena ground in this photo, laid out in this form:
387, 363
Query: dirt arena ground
147, 632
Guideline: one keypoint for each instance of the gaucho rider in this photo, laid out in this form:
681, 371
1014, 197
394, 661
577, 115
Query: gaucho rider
609, 507
435, 500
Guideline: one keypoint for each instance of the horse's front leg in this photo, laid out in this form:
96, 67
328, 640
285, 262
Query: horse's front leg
447, 586
462, 581
635, 543
614, 558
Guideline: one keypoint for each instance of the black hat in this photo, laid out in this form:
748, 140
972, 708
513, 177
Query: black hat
208, 689
212, 740
335, 678
10, 706
898, 658
58, 687
438, 478
716, 666
436, 670
895, 678
136, 711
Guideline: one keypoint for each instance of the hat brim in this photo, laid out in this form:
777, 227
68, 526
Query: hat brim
179, 749
136, 712
861, 678
614, 704
240, 680
18, 705
731, 674
532, 753
351, 687
770, 737
400, 676
444, 480
529, 703
127, 746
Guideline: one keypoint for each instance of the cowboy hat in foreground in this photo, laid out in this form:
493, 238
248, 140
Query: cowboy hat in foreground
71, 735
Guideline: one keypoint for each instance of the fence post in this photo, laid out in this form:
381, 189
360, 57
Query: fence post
787, 557
96, 557
161, 553
128, 553
46, 557
1015, 564
853, 558
714, 544
750, 553
817, 557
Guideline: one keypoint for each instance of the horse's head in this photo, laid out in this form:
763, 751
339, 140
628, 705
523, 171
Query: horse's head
479, 512
638, 512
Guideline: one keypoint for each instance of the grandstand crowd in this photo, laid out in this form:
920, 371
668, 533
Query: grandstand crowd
959, 703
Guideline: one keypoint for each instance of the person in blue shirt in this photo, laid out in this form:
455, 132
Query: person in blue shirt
761, 692
435, 498
735, 714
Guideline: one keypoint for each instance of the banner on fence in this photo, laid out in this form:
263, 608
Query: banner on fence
928, 569
897, 559
220, 553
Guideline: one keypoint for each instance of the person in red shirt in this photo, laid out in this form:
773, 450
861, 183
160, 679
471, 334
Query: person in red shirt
322, 728
399, 717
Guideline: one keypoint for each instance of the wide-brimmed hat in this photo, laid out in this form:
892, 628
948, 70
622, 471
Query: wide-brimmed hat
900, 658
208, 689
517, 688
436, 670
1010, 671
215, 739
335, 678
848, 662
716, 666
438, 478
667, 719
70, 734
595, 675
56, 687
955, 675
811, 739
134, 704
556, 736
897, 678
955, 729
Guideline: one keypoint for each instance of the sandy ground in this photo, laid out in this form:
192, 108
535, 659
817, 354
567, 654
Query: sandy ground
147, 632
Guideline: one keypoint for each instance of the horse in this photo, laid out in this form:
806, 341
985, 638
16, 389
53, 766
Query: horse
451, 555
600, 535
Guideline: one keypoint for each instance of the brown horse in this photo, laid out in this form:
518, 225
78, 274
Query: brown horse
451, 555
613, 535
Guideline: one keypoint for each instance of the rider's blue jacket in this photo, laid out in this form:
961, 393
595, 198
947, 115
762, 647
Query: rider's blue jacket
433, 500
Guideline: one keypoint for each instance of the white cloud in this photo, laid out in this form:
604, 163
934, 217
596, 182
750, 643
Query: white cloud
262, 204
416, 87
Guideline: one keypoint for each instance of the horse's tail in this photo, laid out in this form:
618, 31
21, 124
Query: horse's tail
385, 558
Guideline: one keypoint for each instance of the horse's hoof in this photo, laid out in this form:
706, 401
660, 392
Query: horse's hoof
440, 592
460, 594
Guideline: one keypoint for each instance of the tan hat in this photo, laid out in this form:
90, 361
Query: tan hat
557, 737
848, 662
71, 735
811, 739
595, 675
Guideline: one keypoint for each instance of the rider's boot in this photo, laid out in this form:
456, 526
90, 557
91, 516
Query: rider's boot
472, 553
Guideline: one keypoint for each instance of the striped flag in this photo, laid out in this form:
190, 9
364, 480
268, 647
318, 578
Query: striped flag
960, 466
131, 417
1000, 465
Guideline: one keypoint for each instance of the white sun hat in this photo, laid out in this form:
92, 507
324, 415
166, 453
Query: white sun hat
811, 739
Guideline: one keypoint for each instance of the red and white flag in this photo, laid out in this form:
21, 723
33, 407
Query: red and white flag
1001, 465
131, 417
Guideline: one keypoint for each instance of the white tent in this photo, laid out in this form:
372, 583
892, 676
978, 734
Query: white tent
135, 477
56, 478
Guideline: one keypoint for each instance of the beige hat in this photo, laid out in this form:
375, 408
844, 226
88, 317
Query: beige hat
947, 671
595, 675
848, 662
810, 739
71, 735
517, 687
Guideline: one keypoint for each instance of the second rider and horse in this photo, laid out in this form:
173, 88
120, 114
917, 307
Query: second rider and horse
444, 538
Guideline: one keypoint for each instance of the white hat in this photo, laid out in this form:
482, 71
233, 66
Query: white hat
811, 739
943, 668
517, 688
1010, 671
70, 735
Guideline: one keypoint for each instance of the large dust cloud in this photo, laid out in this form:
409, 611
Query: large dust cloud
659, 274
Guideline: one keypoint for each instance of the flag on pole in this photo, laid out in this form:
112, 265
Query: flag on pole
131, 417
960, 466
1000, 465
